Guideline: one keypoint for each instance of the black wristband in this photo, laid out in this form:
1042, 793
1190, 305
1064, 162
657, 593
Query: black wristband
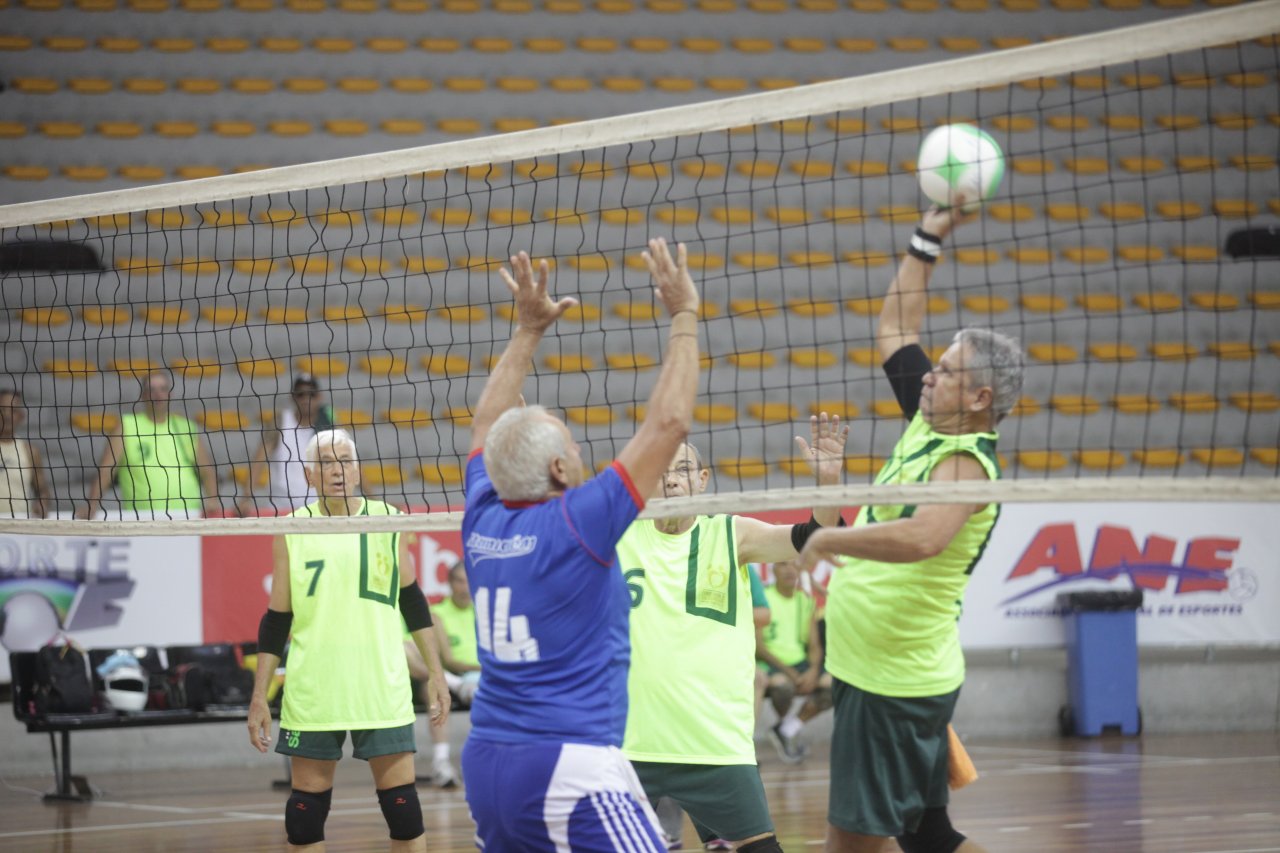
273, 631
922, 256
927, 237
800, 533
413, 607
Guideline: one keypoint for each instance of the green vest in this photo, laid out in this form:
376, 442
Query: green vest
346, 668
892, 628
460, 627
691, 686
787, 634
157, 470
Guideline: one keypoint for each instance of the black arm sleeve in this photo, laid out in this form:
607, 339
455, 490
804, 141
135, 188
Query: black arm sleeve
906, 369
413, 607
273, 631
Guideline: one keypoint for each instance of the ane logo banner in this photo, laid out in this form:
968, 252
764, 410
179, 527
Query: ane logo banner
1209, 573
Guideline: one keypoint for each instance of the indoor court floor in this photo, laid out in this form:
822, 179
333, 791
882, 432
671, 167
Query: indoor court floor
1156, 794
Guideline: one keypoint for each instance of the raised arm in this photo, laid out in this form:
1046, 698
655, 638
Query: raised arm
106, 473
761, 542
535, 312
902, 316
41, 502
669, 412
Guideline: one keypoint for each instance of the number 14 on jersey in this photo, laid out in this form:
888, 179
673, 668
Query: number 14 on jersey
508, 637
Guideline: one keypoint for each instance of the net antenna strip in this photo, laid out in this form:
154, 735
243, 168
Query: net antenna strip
1116, 489
1111, 47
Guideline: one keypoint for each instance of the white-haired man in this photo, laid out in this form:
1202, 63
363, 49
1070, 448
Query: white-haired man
893, 604
543, 763
347, 599
690, 730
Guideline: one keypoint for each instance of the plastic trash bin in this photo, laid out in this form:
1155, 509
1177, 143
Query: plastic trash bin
1102, 663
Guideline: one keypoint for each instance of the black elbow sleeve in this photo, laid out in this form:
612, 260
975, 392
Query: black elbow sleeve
273, 632
413, 607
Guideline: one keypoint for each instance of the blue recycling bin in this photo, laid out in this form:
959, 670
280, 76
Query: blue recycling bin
1102, 663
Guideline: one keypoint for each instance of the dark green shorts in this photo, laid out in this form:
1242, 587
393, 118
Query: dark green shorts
888, 760
723, 800
365, 743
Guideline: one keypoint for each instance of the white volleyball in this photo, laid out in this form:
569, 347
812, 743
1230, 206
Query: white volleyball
959, 160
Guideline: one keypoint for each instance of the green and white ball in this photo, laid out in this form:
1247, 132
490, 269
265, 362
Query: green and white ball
959, 160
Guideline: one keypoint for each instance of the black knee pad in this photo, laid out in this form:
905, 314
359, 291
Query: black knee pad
934, 834
762, 845
402, 811
304, 816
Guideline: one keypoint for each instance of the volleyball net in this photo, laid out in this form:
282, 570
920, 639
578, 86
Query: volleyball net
1123, 249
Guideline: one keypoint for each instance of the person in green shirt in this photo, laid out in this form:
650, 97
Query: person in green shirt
159, 458
893, 606
346, 599
790, 654
455, 625
691, 718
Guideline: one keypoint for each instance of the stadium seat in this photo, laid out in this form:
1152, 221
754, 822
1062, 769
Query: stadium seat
1255, 401
1266, 455
1070, 124
812, 357
1195, 253
581, 313
1029, 255
1172, 350
1234, 121
1218, 457
777, 412
1099, 303
1074, 404
69, 368
733, 215
1041, 460
104, 315
1043, 303
806, 308
381, 475
404, 314
1195, 163
1134, 404
443, 473
283, 314
629, 361
46, 317
747, 306
224, 315
863, 465
1194, 402
714, 413
1010, 212
568, 362
133, 367
1122, 211
1232, 350
1112, 352
1252, 162
985, 304
94, 422
446, 365
758, 360
321, 365
1144, 254
1067, 212
166, 315
743, 468
1100, 460
221, 420
1157, 302
1052, 353
976, 256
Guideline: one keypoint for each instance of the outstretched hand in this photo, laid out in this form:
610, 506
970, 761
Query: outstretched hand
940, 221
824, 452
671, 280
535, 309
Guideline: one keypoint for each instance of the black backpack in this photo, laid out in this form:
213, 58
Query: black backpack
62, 684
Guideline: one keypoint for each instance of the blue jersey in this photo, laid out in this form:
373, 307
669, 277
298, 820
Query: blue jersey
551, 610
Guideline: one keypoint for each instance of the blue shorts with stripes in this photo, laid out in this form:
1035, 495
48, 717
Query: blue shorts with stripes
558, 798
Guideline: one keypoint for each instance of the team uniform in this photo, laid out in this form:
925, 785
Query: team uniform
543, 766
459, 626
787, 634
690, 731
157, 469
16, 470
346, 669
893, 642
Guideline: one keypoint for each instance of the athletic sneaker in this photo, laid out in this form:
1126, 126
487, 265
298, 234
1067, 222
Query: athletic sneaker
790, 750
443, 775
717, 844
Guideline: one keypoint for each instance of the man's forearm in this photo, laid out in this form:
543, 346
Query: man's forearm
502, 391
262, 674
899, 541
672, 396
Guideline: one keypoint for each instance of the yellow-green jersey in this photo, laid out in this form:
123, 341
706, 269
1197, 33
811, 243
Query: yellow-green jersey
346, 668
691, 685
157, 469
459, 626
787, 634
892, 627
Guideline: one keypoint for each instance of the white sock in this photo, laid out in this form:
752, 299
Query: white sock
441, 752
790, 726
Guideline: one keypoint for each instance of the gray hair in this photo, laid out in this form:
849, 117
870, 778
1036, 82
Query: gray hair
994, 361
518, 451
327, 438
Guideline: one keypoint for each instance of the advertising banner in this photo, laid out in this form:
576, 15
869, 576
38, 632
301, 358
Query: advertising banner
101, 592
1209, 573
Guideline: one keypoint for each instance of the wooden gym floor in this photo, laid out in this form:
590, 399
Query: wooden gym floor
1160, 794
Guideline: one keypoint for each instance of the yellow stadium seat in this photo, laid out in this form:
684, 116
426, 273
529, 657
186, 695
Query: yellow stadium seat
569, 362
756, 260
743, 468
381, 475
1122, 123
256, 266
1232, 350
812, 357
443, 473
224, 315
104, 315
1049, 353
863, 466
1013, 123
1141, 165
289, 127
733, 215
95, 422
1041, 460
1010, 212
787, 215
1100, 460
1159, 457
1113, 352
135, 367
1265, 300
887, 408
1099, 303
864, 356
13, 43
759, 360
1218, 457
1235, 208
261, 368
404, 314
630, 361
959, 44
1255, 401
1252, 162
343, 314
757, 170
1196, 163
1194, 402
446, 365
751, 45
12, 130
676, 215
808, 308
1172, 350
1074, 404
702, 169
283, 314
69, 368
1266, 455
1070, 124
747, 306
220, 420
1140, 254
138, 263
773, 412
1196, 253
714, 413
1086, 254
1043, 303
311, 264
459, 125
1122, 211
985, 304
1212, 300
199, 266
1134, 404
1157, 301
46, 317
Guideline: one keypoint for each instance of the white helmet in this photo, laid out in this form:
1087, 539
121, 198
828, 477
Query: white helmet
124, 682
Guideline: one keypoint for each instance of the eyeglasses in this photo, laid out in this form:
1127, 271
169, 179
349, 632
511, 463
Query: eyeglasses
683, 470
